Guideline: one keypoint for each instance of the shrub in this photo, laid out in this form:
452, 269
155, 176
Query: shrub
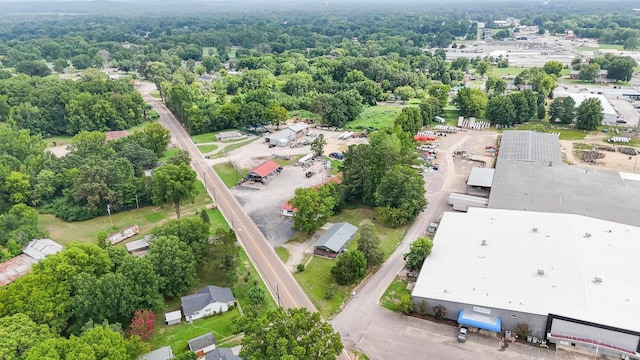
300, 267
406, 304
522, 330
439, 312
422, 308
330, 292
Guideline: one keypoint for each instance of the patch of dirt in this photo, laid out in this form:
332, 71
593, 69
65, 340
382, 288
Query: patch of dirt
298, 252
616, 161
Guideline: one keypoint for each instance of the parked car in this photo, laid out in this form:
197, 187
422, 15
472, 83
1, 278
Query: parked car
462, 334
336, 155
436, 167
272, 146
309, 174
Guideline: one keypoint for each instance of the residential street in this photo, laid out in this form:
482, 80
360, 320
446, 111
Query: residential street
279, 281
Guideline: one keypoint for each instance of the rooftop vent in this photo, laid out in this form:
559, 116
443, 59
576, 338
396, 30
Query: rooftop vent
540, 272
550, 163
534, 229
597, 280
587, 235
484, 243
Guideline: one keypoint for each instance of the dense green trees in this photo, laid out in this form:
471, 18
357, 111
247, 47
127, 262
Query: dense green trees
175, 264
418, 252
471, 102
369, 244
350, 267
299, 333
314, 207
589, 114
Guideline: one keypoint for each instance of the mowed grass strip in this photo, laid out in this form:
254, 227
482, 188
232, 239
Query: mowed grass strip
375, 117
207, 148
392, 295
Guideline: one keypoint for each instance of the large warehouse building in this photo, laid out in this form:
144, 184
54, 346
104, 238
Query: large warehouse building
571, 279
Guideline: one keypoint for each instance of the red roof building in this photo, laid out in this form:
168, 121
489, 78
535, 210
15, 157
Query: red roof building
264, 170
112, 135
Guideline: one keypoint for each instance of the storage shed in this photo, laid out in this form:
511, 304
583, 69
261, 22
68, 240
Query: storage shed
173, 318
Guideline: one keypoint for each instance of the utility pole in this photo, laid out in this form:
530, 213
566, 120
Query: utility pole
109, 211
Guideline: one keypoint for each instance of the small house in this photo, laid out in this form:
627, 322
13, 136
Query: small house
163, 353
335, 240
221, 354
203, 345
229, 135
173, 318
208, 301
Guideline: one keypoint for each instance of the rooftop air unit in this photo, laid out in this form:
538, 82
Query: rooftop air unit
484, 243
540, 272
597, 280
587, 235
534, 229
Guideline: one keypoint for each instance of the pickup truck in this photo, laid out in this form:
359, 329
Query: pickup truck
462, 334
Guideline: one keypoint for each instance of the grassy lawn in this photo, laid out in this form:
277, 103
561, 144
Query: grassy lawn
316, 279
217, 220
169, 153
335, 165
451, 115
375, 117
509, 71
207, 137
207, 148
392, 295
229, 174
59, 140
283, 254
146, 218
177, 336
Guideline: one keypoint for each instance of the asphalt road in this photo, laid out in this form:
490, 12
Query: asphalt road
281, 284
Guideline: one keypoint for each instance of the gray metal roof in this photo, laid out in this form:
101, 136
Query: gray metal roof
482, 177
282, 134
299, 126
601, 194
137, 245
204, 297
202, 342
221, 354
163, 353
38, 249
337, 237
529, 146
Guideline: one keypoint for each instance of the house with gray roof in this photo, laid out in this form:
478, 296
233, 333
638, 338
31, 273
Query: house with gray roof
208, 301
335, 240
203, 345
163, 353
221, 354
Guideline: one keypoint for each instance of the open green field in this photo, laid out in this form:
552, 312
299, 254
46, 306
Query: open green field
207, 137
392, 295
451, 115
146, 218
509, 71
229, 175
217, 220
207, 148
316, 279
375, 117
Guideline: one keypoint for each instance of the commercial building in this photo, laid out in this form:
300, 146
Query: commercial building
531, 176
263, 172
571, 279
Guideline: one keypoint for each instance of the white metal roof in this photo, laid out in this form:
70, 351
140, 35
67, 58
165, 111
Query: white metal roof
606, 106
571, 250
299, 126
137, 245
173, 315
40, 248
482, 177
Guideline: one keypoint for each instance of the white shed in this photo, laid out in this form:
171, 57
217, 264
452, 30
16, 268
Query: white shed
173, 318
